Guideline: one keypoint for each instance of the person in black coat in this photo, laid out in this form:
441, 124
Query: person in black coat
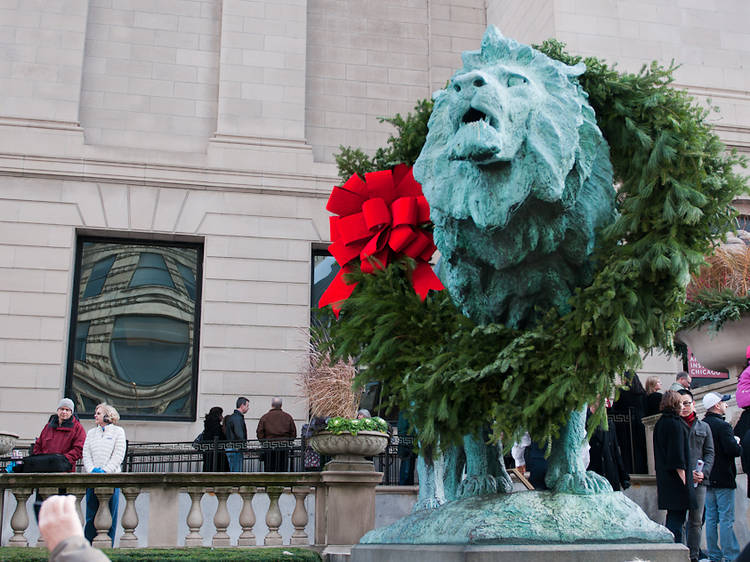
627, 412
653, 396
213, 430
236, 431
721, 481
674, 476
605, 457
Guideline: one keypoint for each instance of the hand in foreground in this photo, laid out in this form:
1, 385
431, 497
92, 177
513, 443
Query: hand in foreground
58, 520
698, 477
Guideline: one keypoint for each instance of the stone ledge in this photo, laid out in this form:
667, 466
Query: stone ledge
520, 553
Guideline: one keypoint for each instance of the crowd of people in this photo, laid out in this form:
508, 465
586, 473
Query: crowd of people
275, 428
695, 463
694, 459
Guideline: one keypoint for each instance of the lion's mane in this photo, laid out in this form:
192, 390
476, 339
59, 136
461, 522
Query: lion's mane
518, 179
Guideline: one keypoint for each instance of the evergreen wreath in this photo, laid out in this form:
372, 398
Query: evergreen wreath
675, 188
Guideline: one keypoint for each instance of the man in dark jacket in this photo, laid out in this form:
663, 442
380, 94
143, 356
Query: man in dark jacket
605, 457
275, 429
720, 494
237, 431
700, 447
63, 435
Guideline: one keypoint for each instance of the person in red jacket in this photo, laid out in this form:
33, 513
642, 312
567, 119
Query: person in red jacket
63, 434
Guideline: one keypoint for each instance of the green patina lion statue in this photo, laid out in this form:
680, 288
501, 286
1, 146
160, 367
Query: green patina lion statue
519, 181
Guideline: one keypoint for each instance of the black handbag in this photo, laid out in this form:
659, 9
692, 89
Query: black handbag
45, 462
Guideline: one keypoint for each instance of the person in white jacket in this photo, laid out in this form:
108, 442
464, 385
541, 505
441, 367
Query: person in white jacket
103, 452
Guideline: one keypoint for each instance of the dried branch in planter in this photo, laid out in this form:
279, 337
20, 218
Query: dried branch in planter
728, 268
327, 385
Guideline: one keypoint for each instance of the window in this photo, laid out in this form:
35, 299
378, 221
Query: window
82, 334
135, 345
151, 270
324, 270
98, 276
188, 278
148, 350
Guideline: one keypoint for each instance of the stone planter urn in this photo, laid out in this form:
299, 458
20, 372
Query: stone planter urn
349, 451
722, 351
7, 442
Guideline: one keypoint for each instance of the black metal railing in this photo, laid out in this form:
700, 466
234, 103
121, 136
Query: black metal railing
257, 456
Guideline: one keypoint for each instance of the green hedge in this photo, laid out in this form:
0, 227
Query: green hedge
281, 554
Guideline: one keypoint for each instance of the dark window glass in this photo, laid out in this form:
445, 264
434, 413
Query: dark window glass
136, 345
151, 270
188, 277
149, 350
98, 276
82, 334
325, 269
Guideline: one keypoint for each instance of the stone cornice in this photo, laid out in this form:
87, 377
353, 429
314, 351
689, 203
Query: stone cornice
166, 175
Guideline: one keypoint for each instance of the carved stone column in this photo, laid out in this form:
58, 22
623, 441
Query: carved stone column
221, 518
273, 517
195, 518
79, 493
129, 518
103, 518
20, 519
247, 516
299, 516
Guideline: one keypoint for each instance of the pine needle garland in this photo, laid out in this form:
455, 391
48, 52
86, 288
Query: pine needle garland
676, 185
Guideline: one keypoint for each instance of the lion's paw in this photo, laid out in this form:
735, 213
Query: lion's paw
477, 486
582, 483
426, 505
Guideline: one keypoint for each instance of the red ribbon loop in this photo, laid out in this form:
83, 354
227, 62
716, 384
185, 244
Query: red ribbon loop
379, 219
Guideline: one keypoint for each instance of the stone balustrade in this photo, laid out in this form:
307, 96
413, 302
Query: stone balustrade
164, 489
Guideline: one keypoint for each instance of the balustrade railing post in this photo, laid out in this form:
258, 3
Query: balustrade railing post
247, 516
299, 516
129, 518
20, 519
43, 494
273, 517
221, 518
79, 493
103, 518
195, 517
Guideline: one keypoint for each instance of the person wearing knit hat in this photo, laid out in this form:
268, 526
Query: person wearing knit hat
721, 541
62, 434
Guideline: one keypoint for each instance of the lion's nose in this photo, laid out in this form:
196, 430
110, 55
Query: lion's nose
469, 81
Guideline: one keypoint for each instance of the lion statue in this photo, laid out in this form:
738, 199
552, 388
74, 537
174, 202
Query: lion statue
519, 181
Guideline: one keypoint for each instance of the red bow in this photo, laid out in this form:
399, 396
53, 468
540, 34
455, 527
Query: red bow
379, 219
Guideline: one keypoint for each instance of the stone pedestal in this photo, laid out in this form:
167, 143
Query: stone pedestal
347, 510
519, 553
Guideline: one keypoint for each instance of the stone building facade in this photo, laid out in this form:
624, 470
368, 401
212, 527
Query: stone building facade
200, 134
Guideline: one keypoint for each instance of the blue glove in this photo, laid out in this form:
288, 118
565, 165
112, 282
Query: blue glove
97, 470
9, 468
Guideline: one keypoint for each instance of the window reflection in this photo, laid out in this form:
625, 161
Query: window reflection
135, 328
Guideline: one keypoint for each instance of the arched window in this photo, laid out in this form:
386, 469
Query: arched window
149, 350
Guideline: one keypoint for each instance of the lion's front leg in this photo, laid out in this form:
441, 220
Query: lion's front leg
430, 474
566, 472
485, 469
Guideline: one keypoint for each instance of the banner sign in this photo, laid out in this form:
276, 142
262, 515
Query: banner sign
697, 370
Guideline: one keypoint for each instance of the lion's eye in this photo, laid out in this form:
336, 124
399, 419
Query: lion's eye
457, 87
516, 80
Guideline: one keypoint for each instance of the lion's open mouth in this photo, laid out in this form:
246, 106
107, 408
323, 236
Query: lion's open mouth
473, 115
